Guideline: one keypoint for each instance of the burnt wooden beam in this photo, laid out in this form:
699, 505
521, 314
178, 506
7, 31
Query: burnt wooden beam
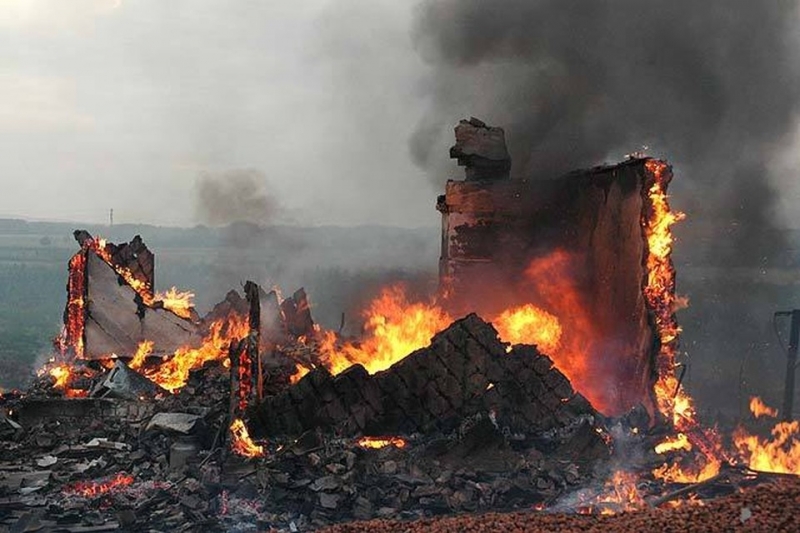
297, 314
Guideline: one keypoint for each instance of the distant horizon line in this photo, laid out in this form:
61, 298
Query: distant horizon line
36, 220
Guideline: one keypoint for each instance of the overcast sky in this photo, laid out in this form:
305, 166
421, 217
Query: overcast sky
125, 103
131, 103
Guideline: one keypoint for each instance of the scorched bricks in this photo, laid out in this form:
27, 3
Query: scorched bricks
466, 370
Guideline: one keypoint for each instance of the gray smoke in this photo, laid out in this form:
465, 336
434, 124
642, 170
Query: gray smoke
712, 86
237, 195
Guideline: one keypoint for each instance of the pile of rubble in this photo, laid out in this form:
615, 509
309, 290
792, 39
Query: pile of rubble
466, 424
98, 464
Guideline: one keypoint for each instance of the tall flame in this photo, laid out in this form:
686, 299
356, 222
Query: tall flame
672, 401
71, 342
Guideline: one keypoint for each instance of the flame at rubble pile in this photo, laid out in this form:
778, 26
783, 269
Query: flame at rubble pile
395, 327
63, 374
620, 493
173, 373
241, 443
92, 489
779, 454
381, 442
529, 325
699, 468
145, 348
298, 375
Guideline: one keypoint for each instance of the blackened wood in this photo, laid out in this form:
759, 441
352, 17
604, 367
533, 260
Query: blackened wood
297, 314
253, 347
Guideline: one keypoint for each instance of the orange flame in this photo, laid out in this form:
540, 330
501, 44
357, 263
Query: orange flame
395, 328
779, 454
759, 408
557, 291
241, 443
298, 375
381, 442
678, 442
179, 302
620, 493
145, 348
63, 375
529, 325
93, 489
71, 338
699, 470
672, 401
173, 373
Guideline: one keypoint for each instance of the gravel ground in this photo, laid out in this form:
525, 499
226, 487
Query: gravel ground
772, 507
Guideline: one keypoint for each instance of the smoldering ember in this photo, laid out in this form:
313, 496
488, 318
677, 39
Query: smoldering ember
541, 377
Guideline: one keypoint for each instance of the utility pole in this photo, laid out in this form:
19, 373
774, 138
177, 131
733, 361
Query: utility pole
791, 363
111, 217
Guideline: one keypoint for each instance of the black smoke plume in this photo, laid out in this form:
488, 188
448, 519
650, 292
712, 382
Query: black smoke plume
711, 85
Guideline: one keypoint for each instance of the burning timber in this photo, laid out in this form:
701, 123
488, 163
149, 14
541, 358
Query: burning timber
542, 377
112, 307
573, 246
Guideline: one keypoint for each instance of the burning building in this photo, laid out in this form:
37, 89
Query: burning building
575, 247
548, 353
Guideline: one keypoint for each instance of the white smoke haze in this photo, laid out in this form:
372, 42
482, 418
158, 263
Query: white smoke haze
122, 104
